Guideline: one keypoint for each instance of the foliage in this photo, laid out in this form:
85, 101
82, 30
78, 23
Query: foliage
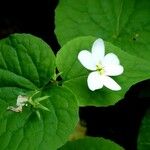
90, 143
29, 69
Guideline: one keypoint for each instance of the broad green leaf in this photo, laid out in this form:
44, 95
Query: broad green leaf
124, 23
90, 143
27, 64
144, 133
75, 75
25, 61
25, 131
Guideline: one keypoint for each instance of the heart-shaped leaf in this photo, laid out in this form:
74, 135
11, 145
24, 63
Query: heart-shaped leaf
22, 131
90, 143
75, 75
124, 23
25, 61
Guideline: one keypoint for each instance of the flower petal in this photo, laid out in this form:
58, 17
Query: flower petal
110, 83
113, 70
111, 58
85, 58
94, 81
21, 100
98, 51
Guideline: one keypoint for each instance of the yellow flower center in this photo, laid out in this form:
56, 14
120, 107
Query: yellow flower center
100, 69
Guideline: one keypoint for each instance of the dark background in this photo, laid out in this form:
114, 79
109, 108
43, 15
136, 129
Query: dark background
120, 122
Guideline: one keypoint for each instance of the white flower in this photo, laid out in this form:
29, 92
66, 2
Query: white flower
103, 66
21, 100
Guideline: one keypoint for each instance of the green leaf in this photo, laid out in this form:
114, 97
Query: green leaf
124, 23
25, 61
22, 131
27, 64
75, 75
90, 143
144, 133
